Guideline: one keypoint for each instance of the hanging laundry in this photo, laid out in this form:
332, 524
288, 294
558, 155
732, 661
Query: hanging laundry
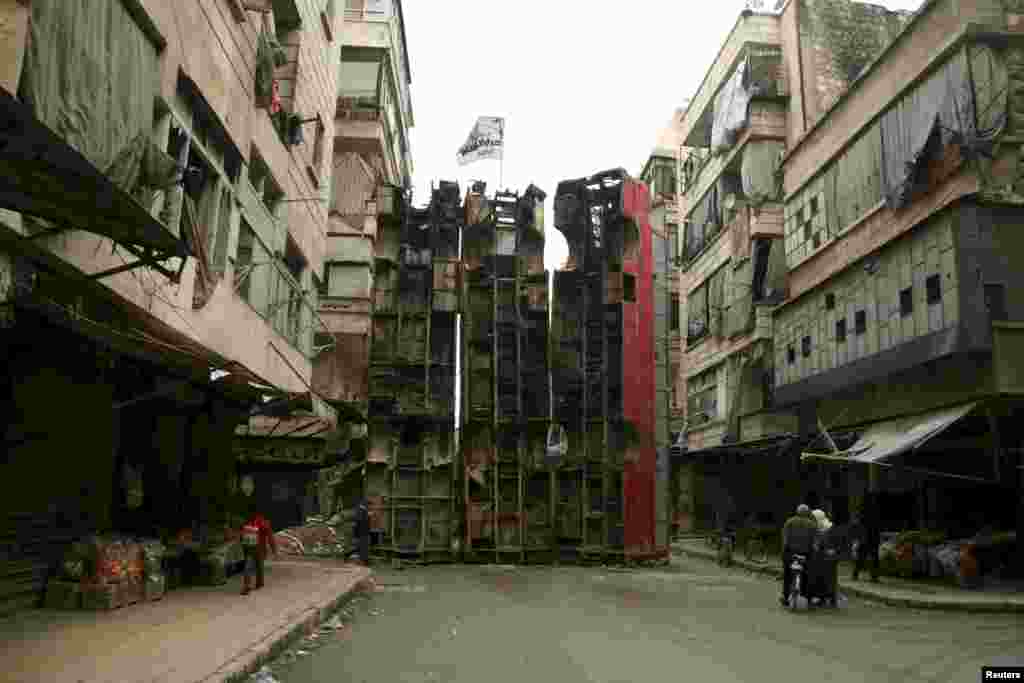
264, 66
275, 97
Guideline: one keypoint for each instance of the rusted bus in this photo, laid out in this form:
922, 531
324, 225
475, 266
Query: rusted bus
478, 444
413, 339
385, 286
447, 285
537, 293
479, 521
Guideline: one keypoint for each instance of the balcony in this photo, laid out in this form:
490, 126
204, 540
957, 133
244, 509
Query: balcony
368, 10
766, 121
751, 31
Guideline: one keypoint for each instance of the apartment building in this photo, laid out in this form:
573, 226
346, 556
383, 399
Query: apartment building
899, 330
847, 266
164, 183
371, 183
661, 174
732, 136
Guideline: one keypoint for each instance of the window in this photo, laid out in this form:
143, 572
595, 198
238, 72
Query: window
830, 302
628, 288
906, 302
673, 313
244, 261
860, 322
995, 301
697, 314
360, 77
704, 305
673, 241
321, 285
790, 355
702, 398
263, 183
841, 330
322, 340
805, 346
933, 289
317, 166
220, 244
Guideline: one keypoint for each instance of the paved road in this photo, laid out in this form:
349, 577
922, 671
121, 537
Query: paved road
689, 622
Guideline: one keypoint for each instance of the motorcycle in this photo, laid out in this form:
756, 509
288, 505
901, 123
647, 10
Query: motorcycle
798, 564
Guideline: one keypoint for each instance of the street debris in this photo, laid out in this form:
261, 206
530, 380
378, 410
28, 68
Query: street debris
314, 539
264, 675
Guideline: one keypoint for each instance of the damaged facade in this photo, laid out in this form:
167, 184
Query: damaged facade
848, 265
409, 468
506, 489
612, 475
161, 174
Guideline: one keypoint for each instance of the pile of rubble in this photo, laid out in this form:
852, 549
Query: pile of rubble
317, 538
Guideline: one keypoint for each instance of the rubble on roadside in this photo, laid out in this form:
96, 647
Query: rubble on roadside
316, 538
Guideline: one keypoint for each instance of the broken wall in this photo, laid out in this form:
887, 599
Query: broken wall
838, 39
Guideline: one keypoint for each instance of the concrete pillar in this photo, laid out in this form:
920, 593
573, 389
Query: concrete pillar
14, 22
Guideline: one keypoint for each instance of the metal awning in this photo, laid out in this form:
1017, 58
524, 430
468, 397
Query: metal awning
43, 176
895, 437
758, 446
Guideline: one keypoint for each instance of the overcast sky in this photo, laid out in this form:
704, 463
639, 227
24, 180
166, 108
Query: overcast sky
583, 86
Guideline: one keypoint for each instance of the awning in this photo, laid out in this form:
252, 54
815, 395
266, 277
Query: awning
768, 444
137, 334
894, 437
41, 175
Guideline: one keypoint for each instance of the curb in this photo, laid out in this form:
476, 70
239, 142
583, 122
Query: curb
975, 606
254, 657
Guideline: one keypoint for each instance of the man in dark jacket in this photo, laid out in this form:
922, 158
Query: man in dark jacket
866, 534
361, 530
798, 536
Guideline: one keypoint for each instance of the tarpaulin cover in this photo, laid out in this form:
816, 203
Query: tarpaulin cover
731, 109
761, 160
91, 76
945, 101
703, 222
893, 437
853, 184
991, 90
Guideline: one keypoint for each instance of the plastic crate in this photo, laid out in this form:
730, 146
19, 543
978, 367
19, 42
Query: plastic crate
101, 596
63, 595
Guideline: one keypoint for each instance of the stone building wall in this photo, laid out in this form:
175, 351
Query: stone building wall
838, 39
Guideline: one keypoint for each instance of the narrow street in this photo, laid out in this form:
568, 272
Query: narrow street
685, 622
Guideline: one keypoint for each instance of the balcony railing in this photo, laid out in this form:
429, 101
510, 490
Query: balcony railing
368, 10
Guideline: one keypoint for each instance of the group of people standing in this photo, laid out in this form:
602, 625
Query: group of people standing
813, 535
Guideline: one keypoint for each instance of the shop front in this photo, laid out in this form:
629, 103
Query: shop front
944, 484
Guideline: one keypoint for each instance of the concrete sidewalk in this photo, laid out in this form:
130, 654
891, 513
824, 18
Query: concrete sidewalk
889, 590
191, 635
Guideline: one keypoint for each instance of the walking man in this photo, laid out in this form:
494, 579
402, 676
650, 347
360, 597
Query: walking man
798, 536
866, 533
257, 540
361, 530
